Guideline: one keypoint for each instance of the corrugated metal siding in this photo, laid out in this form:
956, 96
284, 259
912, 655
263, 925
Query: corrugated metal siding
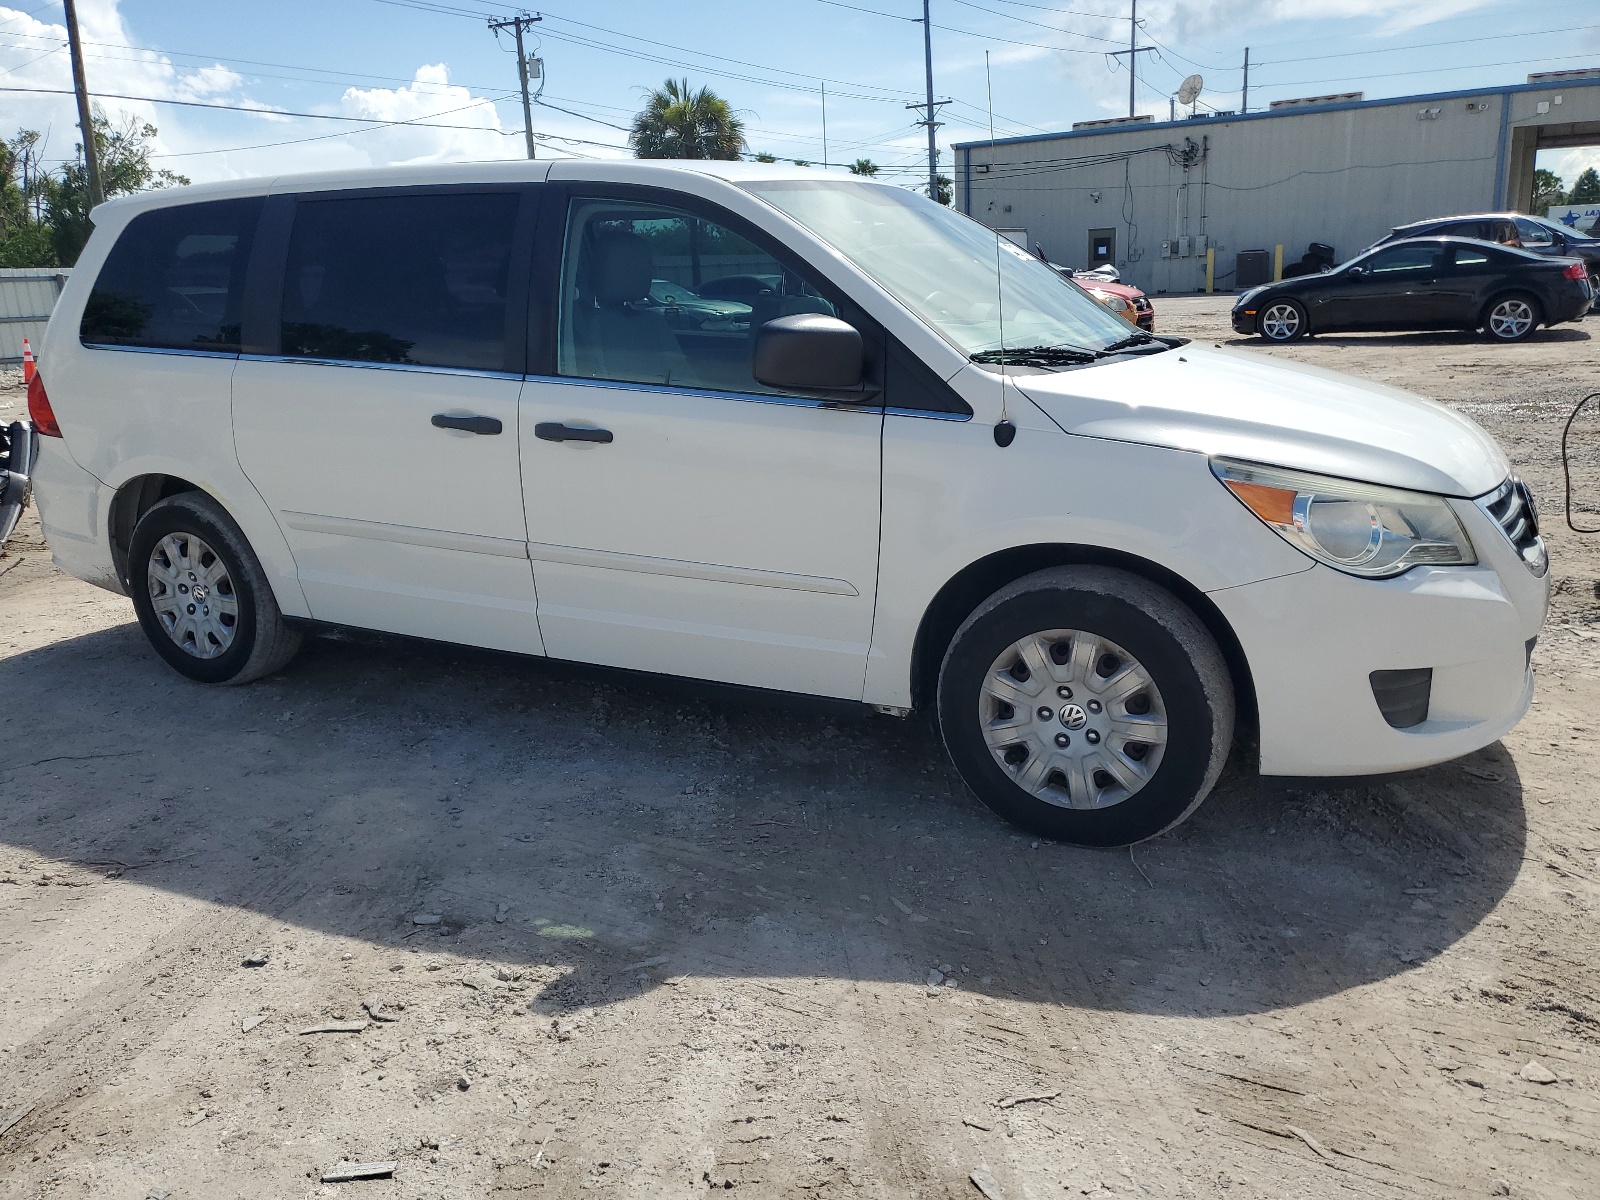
1343, 176
27, 297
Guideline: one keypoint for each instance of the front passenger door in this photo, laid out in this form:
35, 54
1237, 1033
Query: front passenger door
682, 517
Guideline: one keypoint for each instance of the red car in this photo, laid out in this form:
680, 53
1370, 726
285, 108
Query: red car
1127, 301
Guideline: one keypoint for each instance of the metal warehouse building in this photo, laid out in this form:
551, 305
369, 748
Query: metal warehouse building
1154, 196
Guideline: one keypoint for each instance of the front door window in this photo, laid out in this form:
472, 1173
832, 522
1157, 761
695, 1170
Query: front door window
657, 295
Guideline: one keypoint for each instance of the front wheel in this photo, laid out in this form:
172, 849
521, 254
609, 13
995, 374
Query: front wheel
1511, 318
1087, 705
201, 595
1283, 321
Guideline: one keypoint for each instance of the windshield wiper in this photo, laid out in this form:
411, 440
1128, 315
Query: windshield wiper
1133, 339
1037, 356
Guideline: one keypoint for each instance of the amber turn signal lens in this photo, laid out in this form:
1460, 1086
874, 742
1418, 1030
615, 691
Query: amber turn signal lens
1273, 505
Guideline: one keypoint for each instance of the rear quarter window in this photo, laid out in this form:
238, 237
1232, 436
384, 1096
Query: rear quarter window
175, 279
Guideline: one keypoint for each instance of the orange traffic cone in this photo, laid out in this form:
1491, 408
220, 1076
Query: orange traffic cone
28, 368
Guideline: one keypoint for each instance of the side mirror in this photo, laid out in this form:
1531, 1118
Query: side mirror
812, 353
1356, 272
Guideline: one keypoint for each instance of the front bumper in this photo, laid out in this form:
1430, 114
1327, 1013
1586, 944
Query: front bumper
1313, 640
1242, 322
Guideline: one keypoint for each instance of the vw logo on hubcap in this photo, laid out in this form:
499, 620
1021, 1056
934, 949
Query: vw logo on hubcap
1073, 717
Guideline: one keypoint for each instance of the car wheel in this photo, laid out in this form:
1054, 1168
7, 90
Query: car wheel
201, 595
1511, 318
1087, 705
1594, 287
1282, 321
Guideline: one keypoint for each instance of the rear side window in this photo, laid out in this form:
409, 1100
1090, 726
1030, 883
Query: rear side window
175, 279
401, 279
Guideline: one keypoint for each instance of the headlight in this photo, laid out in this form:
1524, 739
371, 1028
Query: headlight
1246, 297
1359, 528
1117, 304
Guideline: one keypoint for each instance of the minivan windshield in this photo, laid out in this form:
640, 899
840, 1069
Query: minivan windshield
942, 266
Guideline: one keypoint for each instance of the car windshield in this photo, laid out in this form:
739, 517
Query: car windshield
942, 266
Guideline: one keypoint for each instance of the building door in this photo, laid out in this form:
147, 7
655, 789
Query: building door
1102, 247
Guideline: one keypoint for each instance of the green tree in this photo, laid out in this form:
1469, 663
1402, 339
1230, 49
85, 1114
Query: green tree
945, 192
802, 162
766, 158
1547, 187
1587, 189
124, 167
677, 122
863, 166
24, 236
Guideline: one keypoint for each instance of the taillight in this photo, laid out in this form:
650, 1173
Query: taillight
1575, 271
39, 411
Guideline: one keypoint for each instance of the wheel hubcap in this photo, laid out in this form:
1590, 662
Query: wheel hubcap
1280, 322
1097, 749
1511, 318
193, 596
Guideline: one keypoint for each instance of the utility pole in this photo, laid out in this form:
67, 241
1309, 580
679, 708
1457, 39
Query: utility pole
931, 108
517, 24
1244, 96
824, 124
1133, 51
91, 152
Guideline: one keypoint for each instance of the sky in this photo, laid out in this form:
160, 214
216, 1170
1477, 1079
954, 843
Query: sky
427, 81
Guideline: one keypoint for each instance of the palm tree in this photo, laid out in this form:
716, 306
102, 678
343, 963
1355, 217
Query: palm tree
863, 166
678, 123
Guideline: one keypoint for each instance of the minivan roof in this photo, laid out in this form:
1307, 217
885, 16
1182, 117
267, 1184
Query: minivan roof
627, 170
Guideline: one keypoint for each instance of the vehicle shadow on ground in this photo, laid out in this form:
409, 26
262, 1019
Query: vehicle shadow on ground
1434, 338
627, 829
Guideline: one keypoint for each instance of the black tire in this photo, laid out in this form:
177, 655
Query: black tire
259, 642
1162, 637
1496, 325
1274, 329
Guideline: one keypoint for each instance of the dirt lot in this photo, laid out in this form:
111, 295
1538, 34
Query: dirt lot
688, 942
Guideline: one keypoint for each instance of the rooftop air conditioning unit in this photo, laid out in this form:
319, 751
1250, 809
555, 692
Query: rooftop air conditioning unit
1307, 101
1109, 121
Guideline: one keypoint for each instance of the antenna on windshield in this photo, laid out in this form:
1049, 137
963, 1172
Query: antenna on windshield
1004, 431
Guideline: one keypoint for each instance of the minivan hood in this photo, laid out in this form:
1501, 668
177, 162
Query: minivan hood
1241, 405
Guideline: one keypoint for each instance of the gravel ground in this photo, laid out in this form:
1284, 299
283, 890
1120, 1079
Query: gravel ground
685, 941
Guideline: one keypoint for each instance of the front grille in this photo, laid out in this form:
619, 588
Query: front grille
1511, 506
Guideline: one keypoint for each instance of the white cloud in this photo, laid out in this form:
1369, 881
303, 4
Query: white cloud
475, 132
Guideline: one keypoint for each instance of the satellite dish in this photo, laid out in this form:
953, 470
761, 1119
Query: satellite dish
1190, 89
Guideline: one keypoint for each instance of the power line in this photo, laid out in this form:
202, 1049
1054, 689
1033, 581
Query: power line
322, 137
1514, 62
271, 112
1493, 37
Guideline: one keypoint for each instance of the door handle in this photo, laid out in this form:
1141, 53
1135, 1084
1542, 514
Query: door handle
484, 425
555, 431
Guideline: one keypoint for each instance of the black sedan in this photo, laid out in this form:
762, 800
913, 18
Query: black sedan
1424, 283
1538, 234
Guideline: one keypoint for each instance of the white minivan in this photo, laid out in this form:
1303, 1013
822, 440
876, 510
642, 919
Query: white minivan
871, 452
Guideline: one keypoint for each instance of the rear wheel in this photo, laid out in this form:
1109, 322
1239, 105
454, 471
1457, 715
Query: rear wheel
1087, 705
1282, 321
1511, 318
201, 595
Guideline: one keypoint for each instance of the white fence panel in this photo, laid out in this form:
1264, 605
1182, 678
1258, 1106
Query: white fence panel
27, 297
